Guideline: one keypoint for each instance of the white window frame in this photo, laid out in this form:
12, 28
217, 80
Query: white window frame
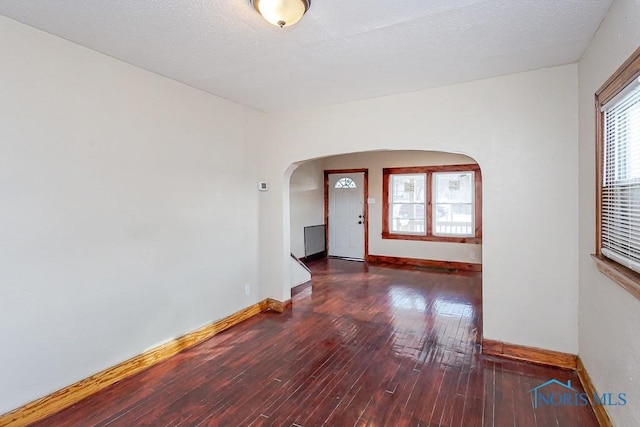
392, 202
435, 202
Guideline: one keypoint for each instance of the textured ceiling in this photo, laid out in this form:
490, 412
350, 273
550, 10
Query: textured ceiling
340, 51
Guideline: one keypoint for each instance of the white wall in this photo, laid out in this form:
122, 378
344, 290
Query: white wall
306, 202
522, 131
129, 212
375, 161
299, 274
609, 316
126, 204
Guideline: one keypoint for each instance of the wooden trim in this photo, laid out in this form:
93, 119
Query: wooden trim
626, 73
385, 204
386, 233
429, 171
599, 171
478, 203
428, 217
301, 288
623, 276
279, 306
365, 205
447, 239
449, 265
300, 263
314, 257
529, 354
621, 78
339, 171
366, 213
72, 394
598, 409
326, 212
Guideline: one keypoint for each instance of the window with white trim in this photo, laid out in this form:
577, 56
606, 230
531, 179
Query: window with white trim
453, 204
408, 204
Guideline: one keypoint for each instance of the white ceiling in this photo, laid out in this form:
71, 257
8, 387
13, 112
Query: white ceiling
342, 50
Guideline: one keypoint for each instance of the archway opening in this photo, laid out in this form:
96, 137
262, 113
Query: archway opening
424, 213
433, 212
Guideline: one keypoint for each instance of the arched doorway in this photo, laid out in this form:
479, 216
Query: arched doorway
415, 219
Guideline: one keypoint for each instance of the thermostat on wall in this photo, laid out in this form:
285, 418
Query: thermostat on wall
262, 186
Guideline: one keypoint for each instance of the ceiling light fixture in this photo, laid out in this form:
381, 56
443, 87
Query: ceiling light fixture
282, 13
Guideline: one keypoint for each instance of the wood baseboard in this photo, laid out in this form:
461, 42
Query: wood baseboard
551, 358
301, 288
529, 354
300, 262
444, 265
67, 396
278, 306
314, 257
590, 389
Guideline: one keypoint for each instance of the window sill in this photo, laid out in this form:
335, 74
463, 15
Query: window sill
472, 240
626, 278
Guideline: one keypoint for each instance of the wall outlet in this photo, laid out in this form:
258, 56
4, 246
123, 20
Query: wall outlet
472, 255
247, 289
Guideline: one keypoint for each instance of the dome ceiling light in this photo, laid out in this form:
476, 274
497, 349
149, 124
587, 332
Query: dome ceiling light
283, 13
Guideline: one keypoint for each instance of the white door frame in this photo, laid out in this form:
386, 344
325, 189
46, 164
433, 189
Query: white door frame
365, 205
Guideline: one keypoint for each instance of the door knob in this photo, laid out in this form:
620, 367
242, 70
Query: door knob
359, 222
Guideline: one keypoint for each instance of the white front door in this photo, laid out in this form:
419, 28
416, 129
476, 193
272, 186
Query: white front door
346, 215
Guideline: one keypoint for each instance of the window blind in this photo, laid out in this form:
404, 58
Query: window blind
621, 180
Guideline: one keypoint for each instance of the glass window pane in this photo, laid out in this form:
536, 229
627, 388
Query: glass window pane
345, 183
408, 218
408, 188
407, 204
407, 211
453, 204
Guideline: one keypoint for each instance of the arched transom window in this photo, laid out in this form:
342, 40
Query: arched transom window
345, 183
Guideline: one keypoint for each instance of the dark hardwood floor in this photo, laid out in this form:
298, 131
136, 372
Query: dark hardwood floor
362, 346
